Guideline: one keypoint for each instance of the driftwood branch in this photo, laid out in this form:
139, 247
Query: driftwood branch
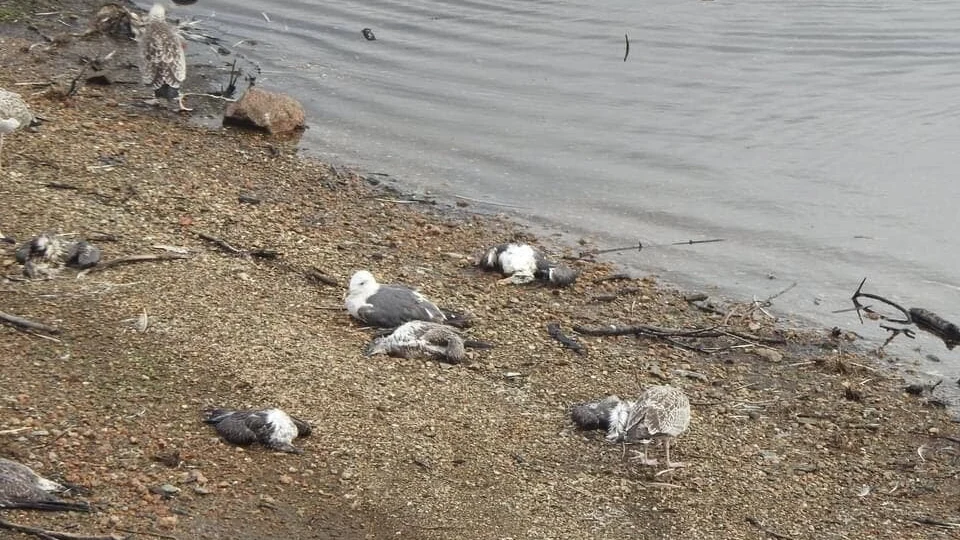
929, 321
149, 257
553, 329
43, 533
225, 246
659, 332
27, 324
858, 294
315, 274
924, 319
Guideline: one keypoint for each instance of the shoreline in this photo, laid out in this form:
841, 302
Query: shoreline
804, 440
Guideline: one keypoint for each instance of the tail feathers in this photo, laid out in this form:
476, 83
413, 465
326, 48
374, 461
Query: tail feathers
474, 344
215, 416
49, 506
457, 320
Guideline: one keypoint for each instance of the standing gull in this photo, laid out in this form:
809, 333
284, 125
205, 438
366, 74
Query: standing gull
661, 412
522, 263
164, 65
14, 114
272, 428
20, 487
415, 337
46, 253
389, 306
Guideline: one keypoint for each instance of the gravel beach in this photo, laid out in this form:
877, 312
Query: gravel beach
793, 435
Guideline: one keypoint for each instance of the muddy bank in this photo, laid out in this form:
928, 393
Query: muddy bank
799, 438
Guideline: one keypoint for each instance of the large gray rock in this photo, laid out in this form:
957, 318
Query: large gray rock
268, 111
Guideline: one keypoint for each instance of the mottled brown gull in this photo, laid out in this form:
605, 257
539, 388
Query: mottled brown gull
522, 263
164, 64
14, 114
272, 427
661, 412
45, 254
20, 487
420, 337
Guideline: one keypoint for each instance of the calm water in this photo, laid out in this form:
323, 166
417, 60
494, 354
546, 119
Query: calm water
820, 138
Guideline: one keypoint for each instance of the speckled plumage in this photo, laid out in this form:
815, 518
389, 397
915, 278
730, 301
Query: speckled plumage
14, 115
21, 487
522, 263
45, 254
272, 427
163, 62
421, 337
661, 412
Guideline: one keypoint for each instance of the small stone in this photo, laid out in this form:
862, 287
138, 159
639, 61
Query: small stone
167, 522
286, 479
169, 490
267, 111
769, 355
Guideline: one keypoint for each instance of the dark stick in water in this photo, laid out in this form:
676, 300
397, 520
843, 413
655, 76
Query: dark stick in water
627, 53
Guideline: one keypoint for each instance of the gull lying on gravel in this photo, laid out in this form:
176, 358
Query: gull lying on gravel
522, 263
272, 428
21, 487
389, 306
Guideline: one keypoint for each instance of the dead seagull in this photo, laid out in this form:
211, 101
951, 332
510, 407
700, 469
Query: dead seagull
389, 306
272, 428
46, 253
661, 412
164, 64
420, 337
14, 114
20, 487
522, 263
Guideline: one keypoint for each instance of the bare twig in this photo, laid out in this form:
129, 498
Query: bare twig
756, 523
148, 533
130, 260
315, 274
223, 245
936, 523
490, 203
866, 309
27, 324
553, 329
656, 331
46, 534
626, 53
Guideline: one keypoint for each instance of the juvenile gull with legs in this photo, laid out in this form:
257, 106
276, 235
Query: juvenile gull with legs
661, 412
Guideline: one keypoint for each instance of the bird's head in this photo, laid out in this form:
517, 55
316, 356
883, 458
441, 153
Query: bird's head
157, 13
362, 283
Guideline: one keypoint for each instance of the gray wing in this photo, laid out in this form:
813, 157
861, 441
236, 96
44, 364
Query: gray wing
83, 255
393, 305
594, 415
23, 252
235, 429
20, 487
450, 342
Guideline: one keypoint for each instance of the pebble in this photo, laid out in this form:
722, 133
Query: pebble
167, 522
